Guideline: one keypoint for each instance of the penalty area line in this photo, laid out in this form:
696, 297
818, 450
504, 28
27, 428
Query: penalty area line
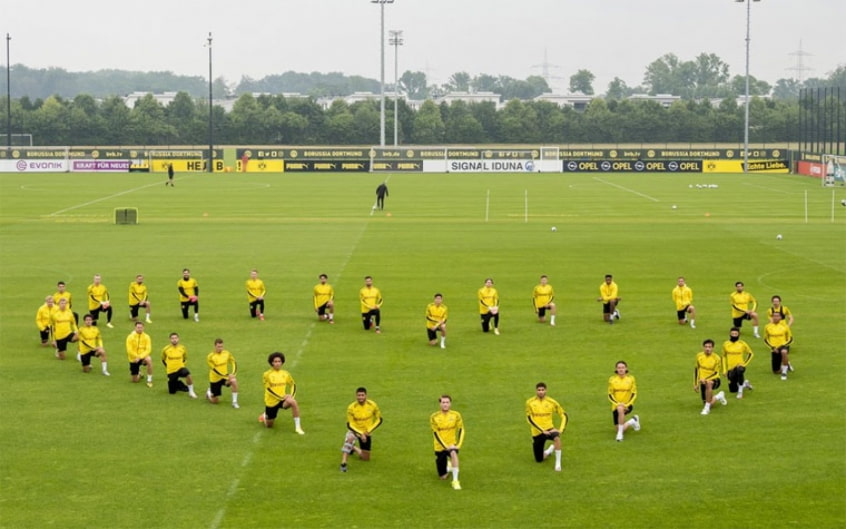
653, 199
96, 200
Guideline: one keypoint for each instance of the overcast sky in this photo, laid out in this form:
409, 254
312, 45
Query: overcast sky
256, 38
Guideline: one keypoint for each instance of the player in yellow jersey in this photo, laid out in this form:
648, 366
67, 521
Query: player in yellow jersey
743, 305
706, 376
371, 305
683, 297
64, 328
489, 306
91, 344
540, 411
138, 349
543, 299
324, 299
609, 295
138, 299
222, 369
778, 337
98, 301
279, 392
174, 358
786, 315
62, 292
189, 294
255, 295
436, 319
736, 356
363, 417
448, 430
622, 392
44, 320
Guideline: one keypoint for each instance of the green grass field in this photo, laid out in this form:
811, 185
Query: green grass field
82, 450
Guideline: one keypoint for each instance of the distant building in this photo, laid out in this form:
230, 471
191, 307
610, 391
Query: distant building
665, 100
577, 101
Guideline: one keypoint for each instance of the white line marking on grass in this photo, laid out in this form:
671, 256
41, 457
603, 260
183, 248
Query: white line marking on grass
128, 191
653, 199
233, 487
770, 189
292, 362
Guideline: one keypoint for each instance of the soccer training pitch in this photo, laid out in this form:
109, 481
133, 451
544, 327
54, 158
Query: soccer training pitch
83, 450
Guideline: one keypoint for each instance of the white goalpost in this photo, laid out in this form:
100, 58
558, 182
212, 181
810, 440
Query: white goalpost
834, 170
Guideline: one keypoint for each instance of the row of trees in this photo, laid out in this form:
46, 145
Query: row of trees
277, 120
706, 76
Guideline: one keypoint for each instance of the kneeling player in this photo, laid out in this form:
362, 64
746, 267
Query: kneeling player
622, 392
174, 357
277, 394
363, 416
91, 344
539, 412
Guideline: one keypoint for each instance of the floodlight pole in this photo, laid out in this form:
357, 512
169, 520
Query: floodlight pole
211, 114
746, 101
396, 41
382, 69
8, 95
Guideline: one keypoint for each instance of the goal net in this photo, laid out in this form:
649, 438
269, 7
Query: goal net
835, 170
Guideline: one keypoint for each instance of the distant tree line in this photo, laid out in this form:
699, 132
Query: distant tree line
100, 116
705, 76
280, 120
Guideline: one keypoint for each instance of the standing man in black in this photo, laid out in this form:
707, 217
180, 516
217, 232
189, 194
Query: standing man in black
381, 193
169, 175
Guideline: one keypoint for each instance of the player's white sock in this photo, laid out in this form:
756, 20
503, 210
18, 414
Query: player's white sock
331, 316
552, 320
190, 388
558, 458
784, 370
692, 323
755, 330
296, 422
104, 366
549, 450
149, 378
455, 473
443, 341
630, 422
234, 398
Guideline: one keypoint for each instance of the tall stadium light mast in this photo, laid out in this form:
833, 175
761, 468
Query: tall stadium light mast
396, 41
8, 95
746, 101
211, 129
382, 69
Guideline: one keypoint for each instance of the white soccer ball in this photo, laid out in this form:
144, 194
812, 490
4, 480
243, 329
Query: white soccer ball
843, 202
778, 237
554, 228
674, 206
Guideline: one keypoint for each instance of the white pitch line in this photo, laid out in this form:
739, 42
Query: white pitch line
653, 199
134, 189
292, 362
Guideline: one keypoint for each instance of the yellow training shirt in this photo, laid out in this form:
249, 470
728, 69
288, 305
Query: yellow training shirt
683, 296
276, 386
448, 429
622, 390
542, 296
363, 418
174, 357
539, 413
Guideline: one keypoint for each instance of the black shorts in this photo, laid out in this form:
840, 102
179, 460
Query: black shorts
715, 387
365, 445
217, 387
606, 308
181, 373
135, 367
133, 310
614, 413
62, 343
738, 322
682, 314
85, 359
321, 310
432, 333
270, 412
542, 311
538, 443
